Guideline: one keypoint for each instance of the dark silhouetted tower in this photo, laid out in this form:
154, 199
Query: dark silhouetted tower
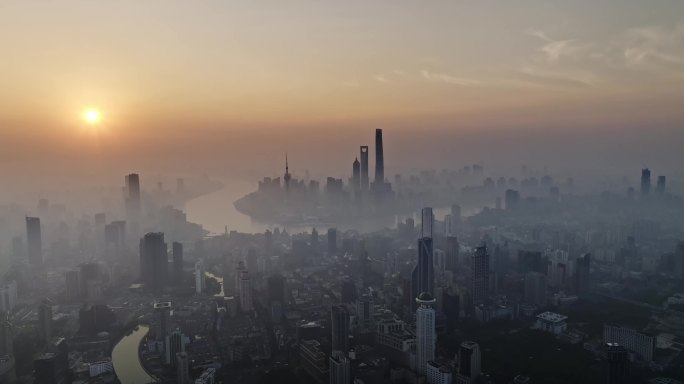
356, 176
480, 278
365, 181
379, 160
45, 320
339, 323
132, 197
469, 362
287, 176
645, 182
153, 260
34, 242
423, 278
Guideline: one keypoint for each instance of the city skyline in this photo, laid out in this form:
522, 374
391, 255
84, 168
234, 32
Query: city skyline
456, 72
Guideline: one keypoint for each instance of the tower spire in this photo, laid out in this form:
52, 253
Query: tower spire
287, 177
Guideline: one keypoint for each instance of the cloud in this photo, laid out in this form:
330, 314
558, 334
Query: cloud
382, 78
654, 46
448, 79
572, 49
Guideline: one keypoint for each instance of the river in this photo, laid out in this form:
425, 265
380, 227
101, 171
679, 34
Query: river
126, 361
215, 212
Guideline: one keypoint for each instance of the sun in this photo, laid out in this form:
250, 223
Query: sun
91, 116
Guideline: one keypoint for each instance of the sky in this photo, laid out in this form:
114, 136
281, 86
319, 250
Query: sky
230, 86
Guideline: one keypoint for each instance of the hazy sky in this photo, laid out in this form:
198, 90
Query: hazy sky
241, 82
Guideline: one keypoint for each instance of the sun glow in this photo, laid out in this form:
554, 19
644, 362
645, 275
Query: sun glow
91, 116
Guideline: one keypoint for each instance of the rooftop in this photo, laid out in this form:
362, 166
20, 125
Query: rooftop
552, 317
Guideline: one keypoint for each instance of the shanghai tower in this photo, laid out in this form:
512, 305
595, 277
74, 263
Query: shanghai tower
379, 159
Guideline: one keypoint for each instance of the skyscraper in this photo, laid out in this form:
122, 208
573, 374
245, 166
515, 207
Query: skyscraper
162, 311
425, 332
246, 304
175, 343
469, 362
177, 250
423, 277
34, 242
480, 277
182, 368
45, 320
132, 195
379, 161
364, 168
153, 260
339, 324
618, 364
287, 177
356, 177
645, 182
340, 368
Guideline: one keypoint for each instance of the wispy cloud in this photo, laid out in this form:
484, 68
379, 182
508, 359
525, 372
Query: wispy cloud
448, 79
382, 78
654, 46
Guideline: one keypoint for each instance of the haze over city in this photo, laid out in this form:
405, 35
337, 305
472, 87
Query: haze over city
342, 192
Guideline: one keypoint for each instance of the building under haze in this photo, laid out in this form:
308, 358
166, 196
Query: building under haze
339, 324
480, 275
34, 242
426, 335
645, 182
153, 260
365, 179
469, 363
423, 276
132, 194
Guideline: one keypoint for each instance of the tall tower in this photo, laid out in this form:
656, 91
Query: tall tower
153, 260
424, 271
34, 242
469, 362
45, 320
365, 181
645, 182
480, 278
339, 368
245, 292
339, 323
287, 176
356, 176
379, 160
425, 331
182, 368
132, 198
